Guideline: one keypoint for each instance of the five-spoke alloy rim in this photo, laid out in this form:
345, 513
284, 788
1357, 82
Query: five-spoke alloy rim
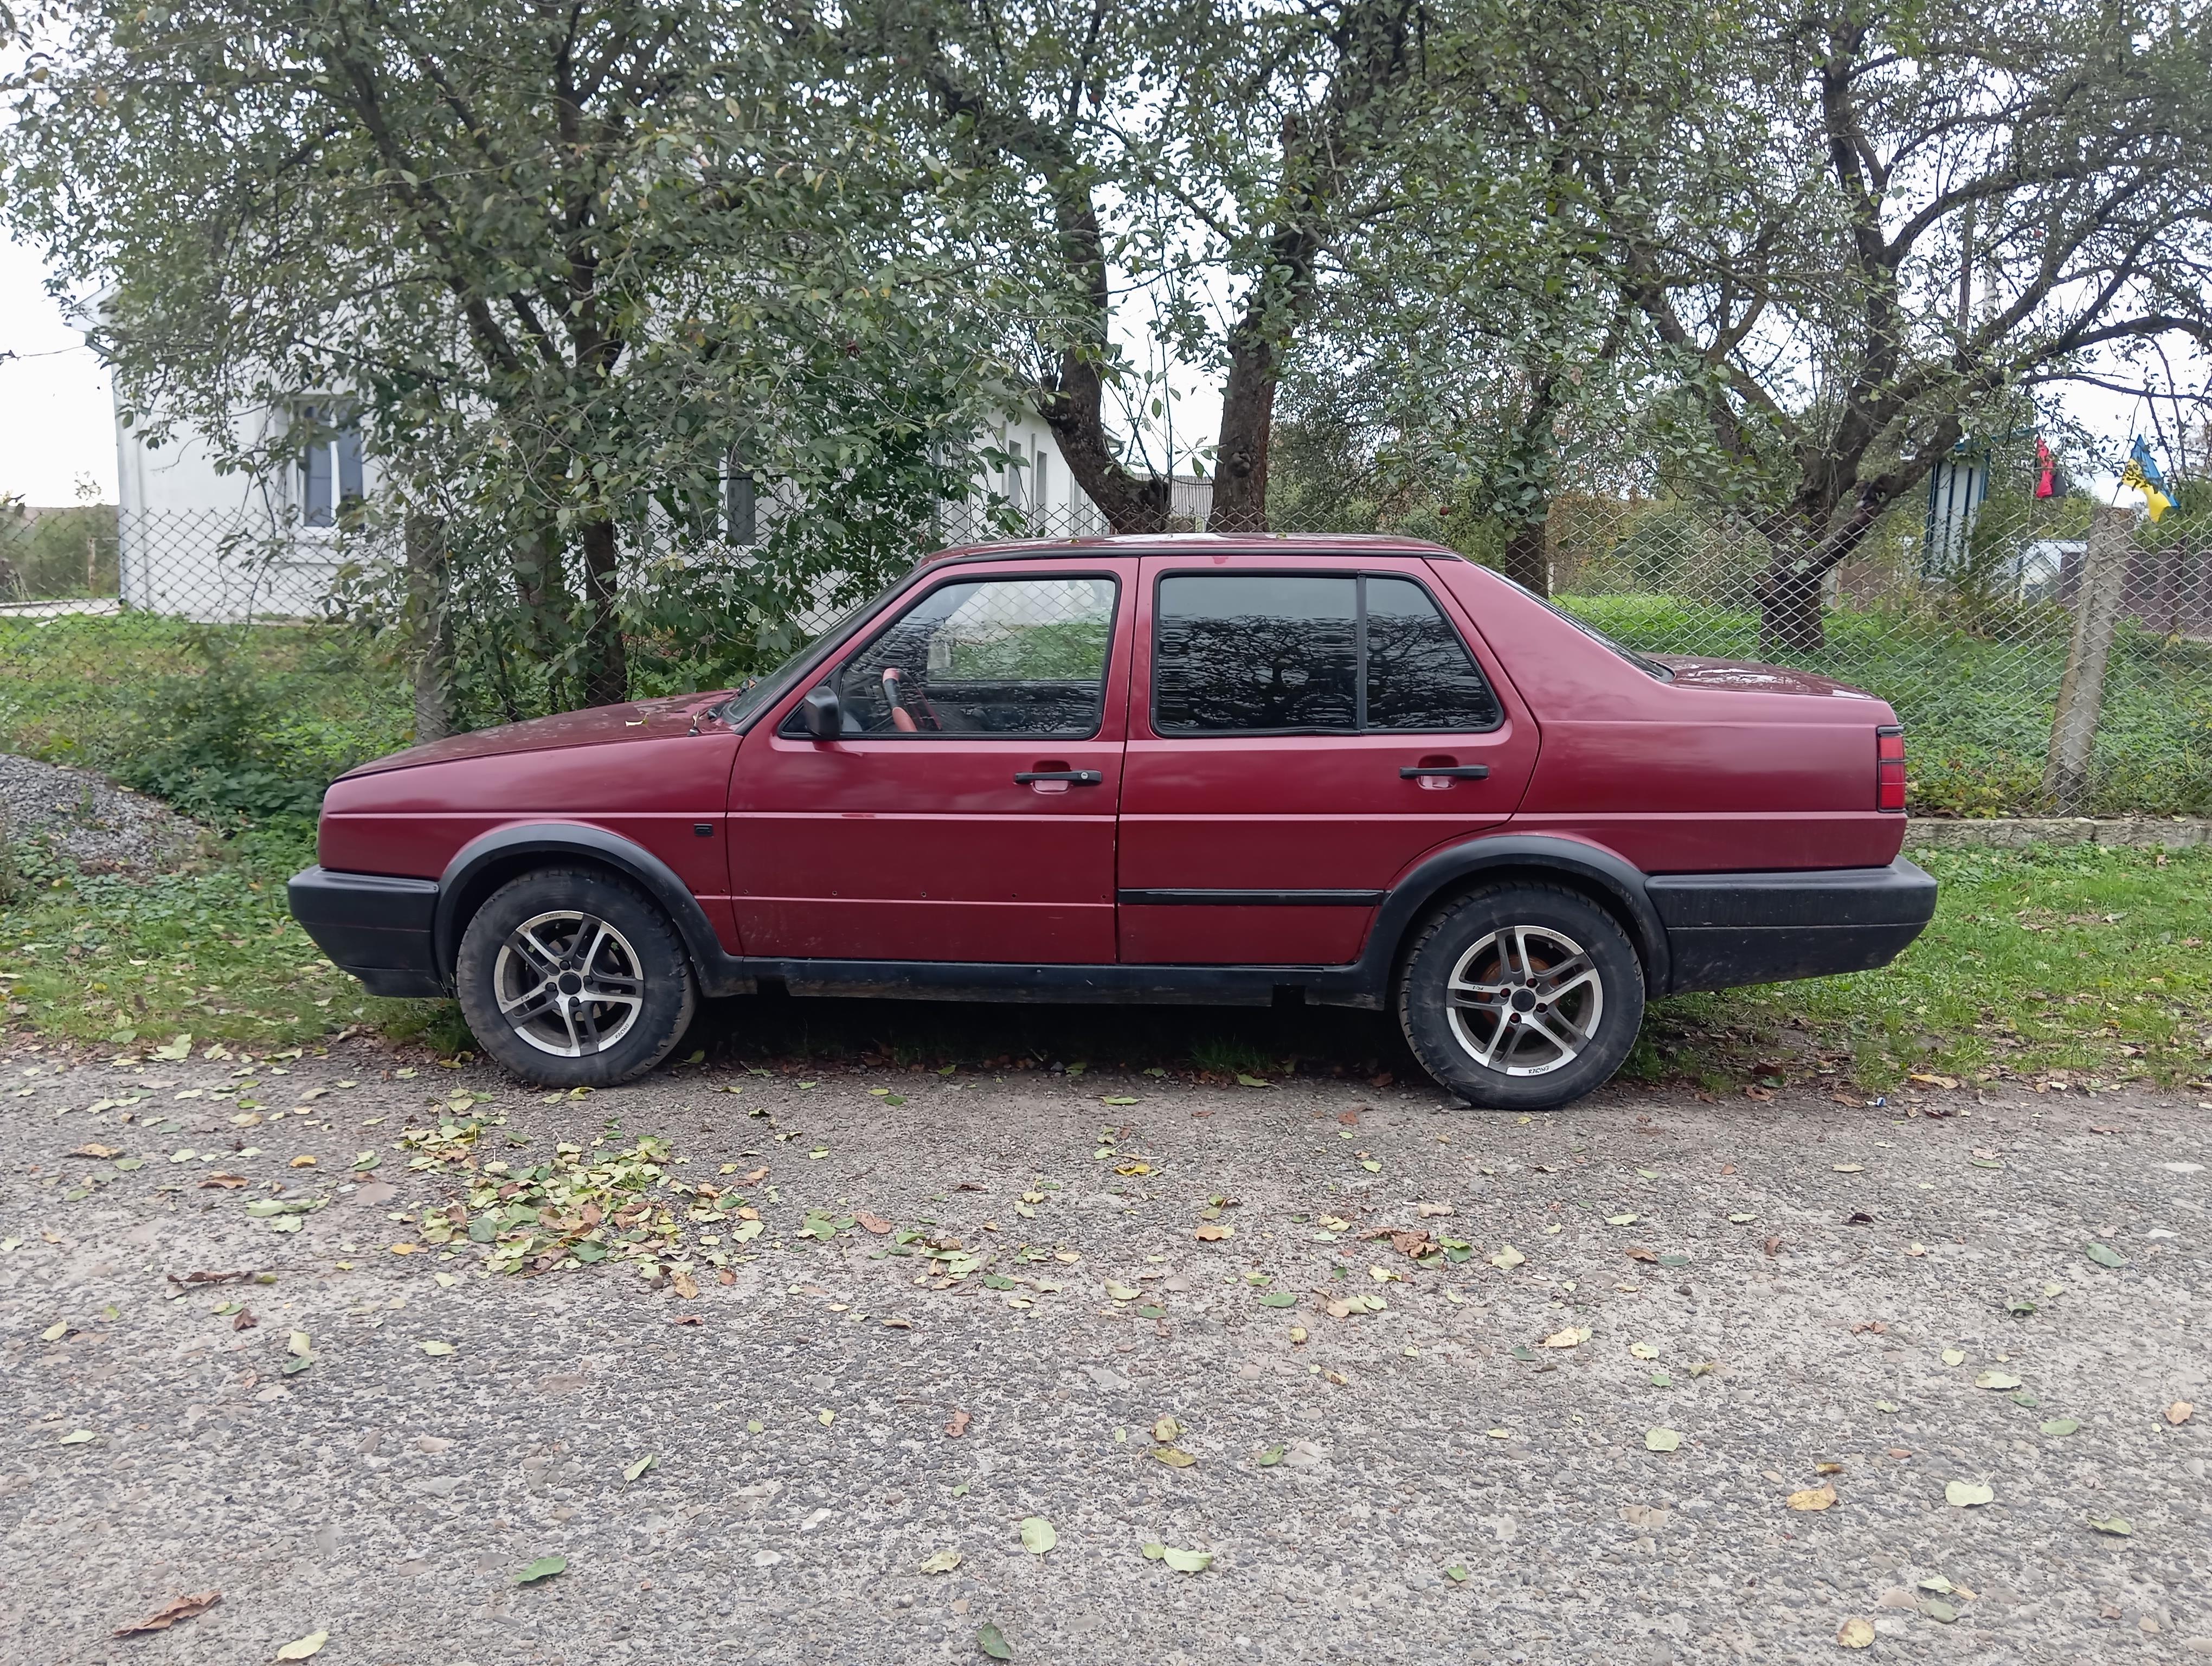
1525, 1000
568, 983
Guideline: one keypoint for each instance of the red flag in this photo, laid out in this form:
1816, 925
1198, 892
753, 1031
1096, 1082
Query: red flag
2046, 465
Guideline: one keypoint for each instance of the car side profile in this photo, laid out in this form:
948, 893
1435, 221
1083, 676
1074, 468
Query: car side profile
1351, 771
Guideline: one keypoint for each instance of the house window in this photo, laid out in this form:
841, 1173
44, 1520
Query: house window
330, 463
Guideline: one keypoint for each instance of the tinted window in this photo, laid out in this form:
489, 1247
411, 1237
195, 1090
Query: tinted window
1419, 674
991, 656
1246, 653
1242, 651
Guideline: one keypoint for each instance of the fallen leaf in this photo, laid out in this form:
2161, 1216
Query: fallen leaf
687, 1319
1122, 1293
993, 1642
958, 1425
437, 1350
76, 1437
1627, 1218
1037, 1536
1429, 1210
1251, 1081
685, 1286
1661, 1440
304, 1163
1954, 1356
1856, 1635
1507, 1259
943, 1562
543, 1568
298, 1345
185, 1608
103, 1152
1165, 1429
244, 1321
2118, 1526
1564, 1338
1643, 1351
2058, 1425
875, 1224
1997, 1379
1214, 1233
304, 1648
2179, 1412
650, 1460
1772, 1246
1174, 1457
1186, 1561
1964, 1494
1637, 1252
228, 1183
1813, 1497
2105, 1258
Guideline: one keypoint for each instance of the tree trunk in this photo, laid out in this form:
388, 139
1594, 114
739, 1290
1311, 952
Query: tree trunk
1248, 417
1527, 559
606, 659
430, 646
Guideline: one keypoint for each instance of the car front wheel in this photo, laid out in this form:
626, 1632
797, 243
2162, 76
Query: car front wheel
1521, 996
575, 978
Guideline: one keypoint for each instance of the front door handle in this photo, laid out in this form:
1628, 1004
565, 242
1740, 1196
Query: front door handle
1454, 771
1073, 777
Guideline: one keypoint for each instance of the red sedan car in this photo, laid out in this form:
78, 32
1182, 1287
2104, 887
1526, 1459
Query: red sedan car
1356, 771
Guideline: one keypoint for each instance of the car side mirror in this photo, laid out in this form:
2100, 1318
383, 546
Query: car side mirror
823, 717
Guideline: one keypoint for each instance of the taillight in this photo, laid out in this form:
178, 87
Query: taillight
1889, 768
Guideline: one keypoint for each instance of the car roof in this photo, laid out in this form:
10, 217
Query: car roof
1185, 543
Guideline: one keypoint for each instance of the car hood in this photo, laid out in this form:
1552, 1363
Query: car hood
595, 726
1750, 677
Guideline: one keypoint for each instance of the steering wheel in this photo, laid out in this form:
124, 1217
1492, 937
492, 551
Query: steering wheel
894, 698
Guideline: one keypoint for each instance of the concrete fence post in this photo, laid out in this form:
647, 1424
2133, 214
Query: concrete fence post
2068, 775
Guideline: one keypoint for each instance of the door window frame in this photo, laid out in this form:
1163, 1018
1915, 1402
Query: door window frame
854, 646
1360, 729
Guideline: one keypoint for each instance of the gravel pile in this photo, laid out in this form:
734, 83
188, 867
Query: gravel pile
89, 822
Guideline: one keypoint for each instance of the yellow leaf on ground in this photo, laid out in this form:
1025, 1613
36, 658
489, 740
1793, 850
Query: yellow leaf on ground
304, 1647
1564, 1338
302, 1163
1856, 1635
1813, 1497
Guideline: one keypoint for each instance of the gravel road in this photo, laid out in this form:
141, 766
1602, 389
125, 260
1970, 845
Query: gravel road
1455, 1464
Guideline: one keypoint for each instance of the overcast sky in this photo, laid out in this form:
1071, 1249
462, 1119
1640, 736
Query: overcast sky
58, 422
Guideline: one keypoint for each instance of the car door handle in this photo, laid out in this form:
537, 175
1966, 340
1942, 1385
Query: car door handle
1073, 777
1455, 771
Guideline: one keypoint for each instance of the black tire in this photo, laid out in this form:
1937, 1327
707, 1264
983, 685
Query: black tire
1524, 1040
540, 944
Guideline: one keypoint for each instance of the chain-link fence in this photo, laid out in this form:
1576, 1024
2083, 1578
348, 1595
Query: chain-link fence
2042, 653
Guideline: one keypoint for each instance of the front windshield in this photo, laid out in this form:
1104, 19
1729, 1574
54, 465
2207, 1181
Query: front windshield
755, 692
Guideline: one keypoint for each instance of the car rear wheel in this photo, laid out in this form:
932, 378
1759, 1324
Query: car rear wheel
573, 978
1521, 996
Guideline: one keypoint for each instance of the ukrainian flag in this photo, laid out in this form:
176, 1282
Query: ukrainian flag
2142, 472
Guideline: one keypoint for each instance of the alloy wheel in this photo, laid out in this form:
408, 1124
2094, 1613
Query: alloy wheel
568, 983
1525, 1000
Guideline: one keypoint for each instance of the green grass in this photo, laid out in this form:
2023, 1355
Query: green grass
1977, 708
2087, 959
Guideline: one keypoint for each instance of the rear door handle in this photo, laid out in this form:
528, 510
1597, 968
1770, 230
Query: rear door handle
1455, 771
1073, 777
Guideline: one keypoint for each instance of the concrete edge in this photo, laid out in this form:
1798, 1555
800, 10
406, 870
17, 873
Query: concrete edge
2011, 830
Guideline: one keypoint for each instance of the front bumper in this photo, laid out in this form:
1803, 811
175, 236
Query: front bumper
1727, 930
376, 927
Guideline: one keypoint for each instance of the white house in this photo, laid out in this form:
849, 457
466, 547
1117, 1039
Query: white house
222, 546
217, 546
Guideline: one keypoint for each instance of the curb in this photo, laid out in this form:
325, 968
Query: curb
2013, 831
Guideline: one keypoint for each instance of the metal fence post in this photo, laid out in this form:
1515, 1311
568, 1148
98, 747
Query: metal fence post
2069, 775
431, 647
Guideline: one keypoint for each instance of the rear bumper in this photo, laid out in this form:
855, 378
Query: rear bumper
374, 926
1727, 930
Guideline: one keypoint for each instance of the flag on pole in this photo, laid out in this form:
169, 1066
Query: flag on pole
2045, 466
2142, 473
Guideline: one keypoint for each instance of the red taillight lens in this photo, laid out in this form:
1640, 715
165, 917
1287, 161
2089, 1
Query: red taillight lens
1889, 768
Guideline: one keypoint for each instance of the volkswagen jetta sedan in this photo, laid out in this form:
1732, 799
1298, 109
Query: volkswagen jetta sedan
1354, 771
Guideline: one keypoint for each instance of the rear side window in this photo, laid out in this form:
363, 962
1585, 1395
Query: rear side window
1309, 653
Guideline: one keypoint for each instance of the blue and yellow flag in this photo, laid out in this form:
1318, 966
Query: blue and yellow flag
2142, 472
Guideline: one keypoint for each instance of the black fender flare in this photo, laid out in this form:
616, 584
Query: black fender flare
1598, 869
481, 865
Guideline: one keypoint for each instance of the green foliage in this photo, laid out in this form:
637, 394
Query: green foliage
2089, 959
57, 552
233, 724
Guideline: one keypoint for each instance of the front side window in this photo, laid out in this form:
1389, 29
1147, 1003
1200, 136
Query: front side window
1309, 653
330, 463
1017, 657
